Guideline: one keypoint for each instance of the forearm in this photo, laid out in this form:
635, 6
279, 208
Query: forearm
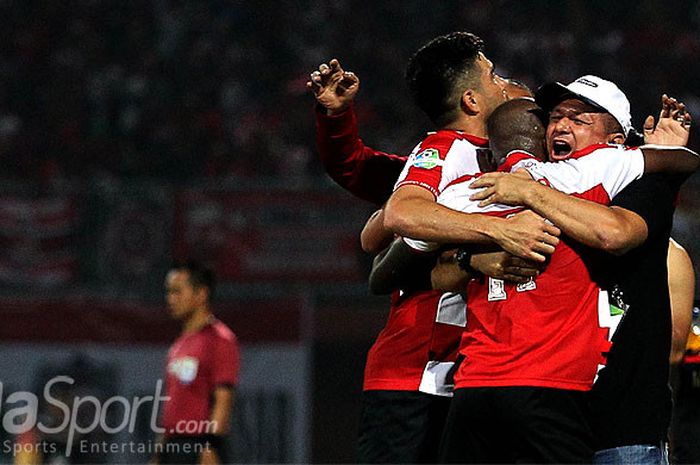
594, 225
424, 219
220, 414
669, 159
400, 267
447, 275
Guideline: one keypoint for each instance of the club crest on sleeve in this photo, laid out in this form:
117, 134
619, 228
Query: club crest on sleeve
427, 159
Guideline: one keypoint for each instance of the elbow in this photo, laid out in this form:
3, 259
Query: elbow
616, 240
368, 244
610, 243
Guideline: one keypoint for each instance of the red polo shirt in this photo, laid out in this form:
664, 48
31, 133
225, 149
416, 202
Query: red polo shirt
197, 364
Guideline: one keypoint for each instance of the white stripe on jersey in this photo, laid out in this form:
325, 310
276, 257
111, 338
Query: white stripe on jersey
461, 159
612, 167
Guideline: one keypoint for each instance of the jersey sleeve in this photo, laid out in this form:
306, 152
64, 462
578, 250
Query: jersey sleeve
363, 171
613, 168
433, 163
226, 361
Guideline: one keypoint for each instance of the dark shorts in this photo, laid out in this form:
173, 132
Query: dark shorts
401, 427
517, 425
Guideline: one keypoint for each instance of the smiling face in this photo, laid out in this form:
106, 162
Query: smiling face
574, 125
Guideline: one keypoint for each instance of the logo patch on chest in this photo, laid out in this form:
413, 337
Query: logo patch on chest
184, 369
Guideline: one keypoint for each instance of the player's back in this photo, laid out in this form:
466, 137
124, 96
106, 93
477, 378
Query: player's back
542, 333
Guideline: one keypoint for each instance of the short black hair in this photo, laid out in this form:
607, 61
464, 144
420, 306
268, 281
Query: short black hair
439, 71
518, 124
200, 275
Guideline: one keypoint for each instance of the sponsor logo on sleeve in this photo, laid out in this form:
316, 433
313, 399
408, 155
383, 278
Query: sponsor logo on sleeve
427, 159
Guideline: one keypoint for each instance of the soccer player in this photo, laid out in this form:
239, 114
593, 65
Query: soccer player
631, 400
403, 407
501, 413
202, 370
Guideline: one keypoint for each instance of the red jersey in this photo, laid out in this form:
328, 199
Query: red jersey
412, 337
367, 173
440, 159
197, 363
550, 332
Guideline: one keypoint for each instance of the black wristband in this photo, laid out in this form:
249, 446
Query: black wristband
463, 257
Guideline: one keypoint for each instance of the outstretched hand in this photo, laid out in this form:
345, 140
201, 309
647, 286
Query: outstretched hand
673, 127
333, 87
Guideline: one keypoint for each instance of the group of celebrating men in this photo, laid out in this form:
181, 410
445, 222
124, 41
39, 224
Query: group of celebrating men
525, 245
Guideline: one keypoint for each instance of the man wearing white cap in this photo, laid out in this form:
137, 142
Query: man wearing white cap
631, 402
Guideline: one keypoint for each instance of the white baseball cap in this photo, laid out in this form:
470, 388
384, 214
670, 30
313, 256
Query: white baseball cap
590, 89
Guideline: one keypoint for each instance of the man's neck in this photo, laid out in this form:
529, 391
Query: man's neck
199, 319
469, 124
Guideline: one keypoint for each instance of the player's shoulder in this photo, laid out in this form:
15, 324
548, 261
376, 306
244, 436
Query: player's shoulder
221, 331
517, 159
445, 138
600, 149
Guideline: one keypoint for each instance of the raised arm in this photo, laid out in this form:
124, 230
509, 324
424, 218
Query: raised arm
363, 171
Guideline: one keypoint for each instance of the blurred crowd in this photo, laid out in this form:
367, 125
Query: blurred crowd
184, 90
212, 93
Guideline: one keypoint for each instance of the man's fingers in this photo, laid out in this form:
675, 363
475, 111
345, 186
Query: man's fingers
517, 262
514, 278
324, 69
549, 240
665, 106
535, 257
687, 121
518, 271
335, 66
543, 248
349, 79
552, 230
482, 194
649, 124
486, 180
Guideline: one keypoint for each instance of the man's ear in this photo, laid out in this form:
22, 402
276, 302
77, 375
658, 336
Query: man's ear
469, 103
202, 293
616, 138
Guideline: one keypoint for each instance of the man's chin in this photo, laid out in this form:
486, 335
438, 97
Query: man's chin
559, 156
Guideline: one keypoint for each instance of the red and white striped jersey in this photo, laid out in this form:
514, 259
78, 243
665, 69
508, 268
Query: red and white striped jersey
441, 158
550, 332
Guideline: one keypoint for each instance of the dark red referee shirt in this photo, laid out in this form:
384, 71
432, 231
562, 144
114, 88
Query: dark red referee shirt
198, 363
